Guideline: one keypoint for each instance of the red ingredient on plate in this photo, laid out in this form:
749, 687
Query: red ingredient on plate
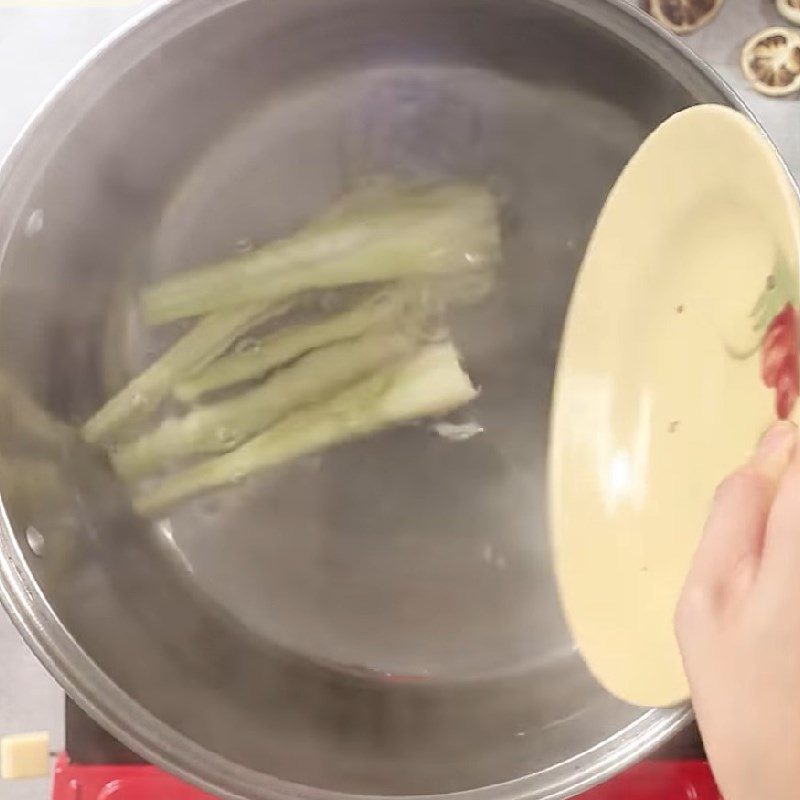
780, 360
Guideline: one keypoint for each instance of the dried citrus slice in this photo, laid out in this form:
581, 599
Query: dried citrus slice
789, 9
771, 61
684, 16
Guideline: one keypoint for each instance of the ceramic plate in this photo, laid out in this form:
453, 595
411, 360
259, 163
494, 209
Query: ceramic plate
679, 350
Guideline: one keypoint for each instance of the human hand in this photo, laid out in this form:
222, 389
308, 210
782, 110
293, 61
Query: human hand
738, 625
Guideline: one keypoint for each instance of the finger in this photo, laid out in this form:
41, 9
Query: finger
781, 560
734, 535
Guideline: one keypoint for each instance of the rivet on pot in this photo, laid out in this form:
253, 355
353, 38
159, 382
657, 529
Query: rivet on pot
35, 223
35, 540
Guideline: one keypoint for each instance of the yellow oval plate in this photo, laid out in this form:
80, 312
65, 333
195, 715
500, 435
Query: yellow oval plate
658, 391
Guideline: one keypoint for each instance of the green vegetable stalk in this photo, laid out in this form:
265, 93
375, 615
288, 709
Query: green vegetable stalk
224, 425
193, 351
25, 420
287, 344
429, 383
30, 484
445, 230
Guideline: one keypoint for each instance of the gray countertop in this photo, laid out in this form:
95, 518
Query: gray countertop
720, 43
39, 45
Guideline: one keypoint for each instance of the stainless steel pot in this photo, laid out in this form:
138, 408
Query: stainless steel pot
382, 622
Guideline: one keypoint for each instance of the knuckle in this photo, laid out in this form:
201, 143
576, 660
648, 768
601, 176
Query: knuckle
742, 484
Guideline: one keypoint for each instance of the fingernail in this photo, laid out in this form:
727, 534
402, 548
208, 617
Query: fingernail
776, 448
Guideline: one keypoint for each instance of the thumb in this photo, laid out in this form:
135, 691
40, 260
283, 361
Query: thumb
733, 540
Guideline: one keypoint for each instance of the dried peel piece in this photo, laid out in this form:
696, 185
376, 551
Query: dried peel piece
684, 16
789, 9
770, 61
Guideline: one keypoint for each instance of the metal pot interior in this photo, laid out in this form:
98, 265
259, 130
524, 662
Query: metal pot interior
382, 620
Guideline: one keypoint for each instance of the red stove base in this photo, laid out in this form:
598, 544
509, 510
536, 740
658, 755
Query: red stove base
124, 782
651, 780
